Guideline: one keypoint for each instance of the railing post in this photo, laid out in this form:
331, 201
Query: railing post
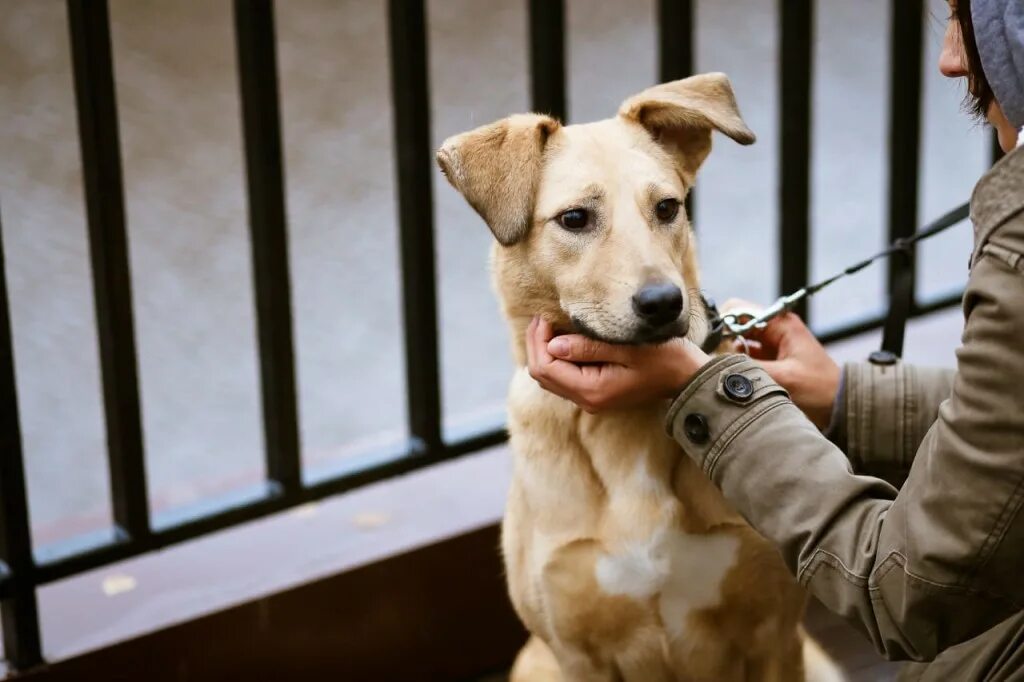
261, 127
410, 96
89, 24
18, 609
547, 57
795, 70
676, 32
906, 41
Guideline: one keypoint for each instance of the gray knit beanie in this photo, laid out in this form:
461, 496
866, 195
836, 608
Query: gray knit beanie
999, 33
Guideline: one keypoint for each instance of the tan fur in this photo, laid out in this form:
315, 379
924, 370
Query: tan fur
682, 117
623, 560
497, 169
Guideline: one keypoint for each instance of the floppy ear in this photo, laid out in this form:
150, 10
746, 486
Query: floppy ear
497, 168
680, 115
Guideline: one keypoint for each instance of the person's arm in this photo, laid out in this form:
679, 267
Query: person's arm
876, 413
882, 413
919, 571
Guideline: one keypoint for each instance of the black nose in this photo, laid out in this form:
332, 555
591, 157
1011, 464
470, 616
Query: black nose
658, 303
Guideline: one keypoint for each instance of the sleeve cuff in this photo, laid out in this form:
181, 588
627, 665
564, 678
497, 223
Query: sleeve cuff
836, 429
877, 399
724, 397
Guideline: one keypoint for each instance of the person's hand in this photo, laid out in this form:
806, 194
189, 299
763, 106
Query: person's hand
788, 351
598, 376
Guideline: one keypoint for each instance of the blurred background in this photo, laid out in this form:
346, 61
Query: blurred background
177, 95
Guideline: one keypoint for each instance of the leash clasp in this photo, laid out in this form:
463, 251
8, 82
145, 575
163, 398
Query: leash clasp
742, 321
739, 321
736, 324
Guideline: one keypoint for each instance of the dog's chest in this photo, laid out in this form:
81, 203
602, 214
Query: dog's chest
647, 554
610, 482
682, 572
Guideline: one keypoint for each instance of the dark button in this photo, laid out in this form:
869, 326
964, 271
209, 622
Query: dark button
883, 357
696, 428
738, 387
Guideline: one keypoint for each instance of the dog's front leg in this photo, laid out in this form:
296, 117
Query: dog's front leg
578, 666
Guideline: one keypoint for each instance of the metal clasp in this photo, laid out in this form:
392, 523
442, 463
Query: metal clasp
742, 321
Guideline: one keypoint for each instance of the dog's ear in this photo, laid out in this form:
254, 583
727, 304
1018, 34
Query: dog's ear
681, 115
497, 168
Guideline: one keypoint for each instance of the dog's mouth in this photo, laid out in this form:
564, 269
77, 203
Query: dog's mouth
642, 334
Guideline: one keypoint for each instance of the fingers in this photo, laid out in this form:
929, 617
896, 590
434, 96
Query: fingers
595, 387
530, 329
754, 349
763, 343
544, 330
538, 333
782, 333
557, 376
591, 386
577, 348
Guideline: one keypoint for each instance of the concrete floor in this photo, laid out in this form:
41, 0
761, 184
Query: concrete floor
177, 98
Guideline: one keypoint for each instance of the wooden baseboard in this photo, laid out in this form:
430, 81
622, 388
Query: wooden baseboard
440, 612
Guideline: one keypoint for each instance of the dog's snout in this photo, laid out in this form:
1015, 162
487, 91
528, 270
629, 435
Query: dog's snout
658, 303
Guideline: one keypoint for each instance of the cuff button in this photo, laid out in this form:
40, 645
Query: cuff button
696, 428
883, 358
738, 387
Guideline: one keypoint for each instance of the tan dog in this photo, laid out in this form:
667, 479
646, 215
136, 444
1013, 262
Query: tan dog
623, 560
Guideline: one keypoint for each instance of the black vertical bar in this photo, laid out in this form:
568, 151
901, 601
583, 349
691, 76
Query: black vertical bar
675, 39
19, 613
676, 31
795, 68
904, 119
409, 93
261, 128
89, 24
906, 54
547, 57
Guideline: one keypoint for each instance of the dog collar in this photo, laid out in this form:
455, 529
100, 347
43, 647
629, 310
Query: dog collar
716, 325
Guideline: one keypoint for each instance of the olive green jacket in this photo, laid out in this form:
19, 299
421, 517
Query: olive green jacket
940, 561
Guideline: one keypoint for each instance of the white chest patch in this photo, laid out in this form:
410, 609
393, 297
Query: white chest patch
684, 571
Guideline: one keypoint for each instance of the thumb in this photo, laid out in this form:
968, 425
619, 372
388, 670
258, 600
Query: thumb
577, 348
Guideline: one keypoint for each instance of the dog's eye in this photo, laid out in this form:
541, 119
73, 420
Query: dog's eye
574, 219
667, 210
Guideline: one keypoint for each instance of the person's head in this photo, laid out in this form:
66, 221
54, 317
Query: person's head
983, 40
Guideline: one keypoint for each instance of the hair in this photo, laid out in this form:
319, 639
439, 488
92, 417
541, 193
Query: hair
979, 93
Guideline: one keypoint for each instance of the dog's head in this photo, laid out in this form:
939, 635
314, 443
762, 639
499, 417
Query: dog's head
589, 218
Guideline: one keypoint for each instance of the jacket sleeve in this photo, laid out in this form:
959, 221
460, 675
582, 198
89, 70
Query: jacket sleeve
883, 413
918, 571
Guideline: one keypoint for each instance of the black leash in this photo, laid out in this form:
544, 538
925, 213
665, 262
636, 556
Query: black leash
737, 323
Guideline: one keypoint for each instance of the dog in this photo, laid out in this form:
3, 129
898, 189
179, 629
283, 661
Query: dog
623, 560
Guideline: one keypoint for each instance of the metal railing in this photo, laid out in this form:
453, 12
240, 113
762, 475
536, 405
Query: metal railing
22, 572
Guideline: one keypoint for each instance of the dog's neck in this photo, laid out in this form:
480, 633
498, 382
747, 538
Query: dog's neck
518, 328
518, 324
